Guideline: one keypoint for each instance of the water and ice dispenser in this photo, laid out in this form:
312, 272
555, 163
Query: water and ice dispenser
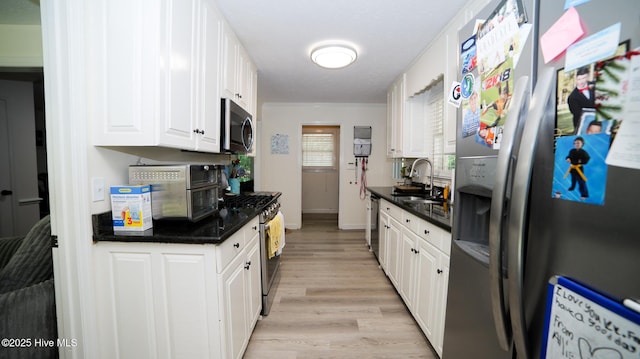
475, 177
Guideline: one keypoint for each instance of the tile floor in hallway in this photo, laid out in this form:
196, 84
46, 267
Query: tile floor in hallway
334, 301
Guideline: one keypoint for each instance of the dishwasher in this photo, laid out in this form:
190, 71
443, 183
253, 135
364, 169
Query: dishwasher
375, 222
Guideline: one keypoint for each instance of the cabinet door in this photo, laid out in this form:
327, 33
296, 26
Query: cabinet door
234, 293
229, 63
184, 286
406, 257
393, 250
384, 242
416, 128
441, 306
254, 281
427, 287
182, 55
208, 125
156, 298
123, 44
126, 302
395, 118
243, 78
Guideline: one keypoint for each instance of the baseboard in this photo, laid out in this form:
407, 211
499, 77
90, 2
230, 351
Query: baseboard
350, 227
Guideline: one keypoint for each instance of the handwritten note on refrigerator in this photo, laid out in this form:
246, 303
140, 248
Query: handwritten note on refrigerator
625, 150
584, 324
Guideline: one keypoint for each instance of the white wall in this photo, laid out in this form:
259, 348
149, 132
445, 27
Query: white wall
112, 165
282, 172
20, 45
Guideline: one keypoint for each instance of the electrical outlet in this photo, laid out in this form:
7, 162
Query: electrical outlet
98, 189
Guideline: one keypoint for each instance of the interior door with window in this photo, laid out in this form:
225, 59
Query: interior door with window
320, 175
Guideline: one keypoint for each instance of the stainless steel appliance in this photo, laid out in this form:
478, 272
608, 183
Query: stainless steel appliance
237, 132
270, 272
375, 222
181, 191
270, 266
511, 232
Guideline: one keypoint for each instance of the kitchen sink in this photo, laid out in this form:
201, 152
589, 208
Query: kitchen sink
413, 198
419, 200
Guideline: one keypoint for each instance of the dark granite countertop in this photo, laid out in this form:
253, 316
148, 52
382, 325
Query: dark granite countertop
211, 230
438, 214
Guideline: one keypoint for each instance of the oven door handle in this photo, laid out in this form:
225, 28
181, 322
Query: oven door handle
267, 226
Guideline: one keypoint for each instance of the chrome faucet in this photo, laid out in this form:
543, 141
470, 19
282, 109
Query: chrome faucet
413, 166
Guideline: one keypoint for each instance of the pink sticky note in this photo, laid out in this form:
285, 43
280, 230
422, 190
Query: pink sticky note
567, 30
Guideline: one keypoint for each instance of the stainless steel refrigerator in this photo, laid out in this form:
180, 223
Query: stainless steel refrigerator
517, 222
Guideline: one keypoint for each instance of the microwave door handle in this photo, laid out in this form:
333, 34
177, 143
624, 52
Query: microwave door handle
226, 125
542, 98
504, 169
244, 124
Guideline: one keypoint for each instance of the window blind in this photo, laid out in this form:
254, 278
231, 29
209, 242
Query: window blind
435, 113
318, 150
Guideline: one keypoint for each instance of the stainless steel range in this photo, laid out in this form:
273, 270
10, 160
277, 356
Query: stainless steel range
270, 266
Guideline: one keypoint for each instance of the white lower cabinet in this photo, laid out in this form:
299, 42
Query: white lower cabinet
430, 288
241, 294
417, 264
160, 300
389, 239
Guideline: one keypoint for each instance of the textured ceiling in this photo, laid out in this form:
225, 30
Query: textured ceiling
279, 35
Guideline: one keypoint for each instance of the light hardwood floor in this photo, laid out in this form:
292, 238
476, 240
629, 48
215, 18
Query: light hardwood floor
334, 302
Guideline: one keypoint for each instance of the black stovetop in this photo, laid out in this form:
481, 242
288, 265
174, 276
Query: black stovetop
257, 200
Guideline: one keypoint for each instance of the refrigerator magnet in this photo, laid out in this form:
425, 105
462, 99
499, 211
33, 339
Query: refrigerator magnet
468, 55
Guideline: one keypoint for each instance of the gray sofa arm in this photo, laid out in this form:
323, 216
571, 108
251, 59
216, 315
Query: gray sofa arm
29, 314
8, 247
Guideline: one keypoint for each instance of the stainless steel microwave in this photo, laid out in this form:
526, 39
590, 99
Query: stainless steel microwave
184, 191
236, 128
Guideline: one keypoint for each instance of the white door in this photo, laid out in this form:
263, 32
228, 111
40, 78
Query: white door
6, 196
18, 172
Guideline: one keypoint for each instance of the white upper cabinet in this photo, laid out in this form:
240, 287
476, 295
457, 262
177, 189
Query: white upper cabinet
438, 64
182, 124
417, 140
395, 117
239, 72
209, 95
157, 68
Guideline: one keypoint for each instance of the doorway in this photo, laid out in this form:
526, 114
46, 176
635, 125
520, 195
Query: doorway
320, 174
23, 164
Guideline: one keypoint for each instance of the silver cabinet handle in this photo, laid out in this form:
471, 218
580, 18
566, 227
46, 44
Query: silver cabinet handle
506, 157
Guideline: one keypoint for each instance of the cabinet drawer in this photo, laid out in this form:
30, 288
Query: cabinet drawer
412, 222
392, 210
250, 230
228, 249
431, 234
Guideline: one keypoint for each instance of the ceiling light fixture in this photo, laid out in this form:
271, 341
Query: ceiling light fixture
333, 56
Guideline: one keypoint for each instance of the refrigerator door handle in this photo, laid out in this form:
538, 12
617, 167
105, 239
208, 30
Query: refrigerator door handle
519, 203
499, 203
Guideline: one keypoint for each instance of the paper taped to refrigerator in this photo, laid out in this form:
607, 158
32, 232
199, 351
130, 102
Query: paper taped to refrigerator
582, 323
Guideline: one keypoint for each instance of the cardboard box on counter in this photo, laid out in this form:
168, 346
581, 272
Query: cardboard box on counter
131, 208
